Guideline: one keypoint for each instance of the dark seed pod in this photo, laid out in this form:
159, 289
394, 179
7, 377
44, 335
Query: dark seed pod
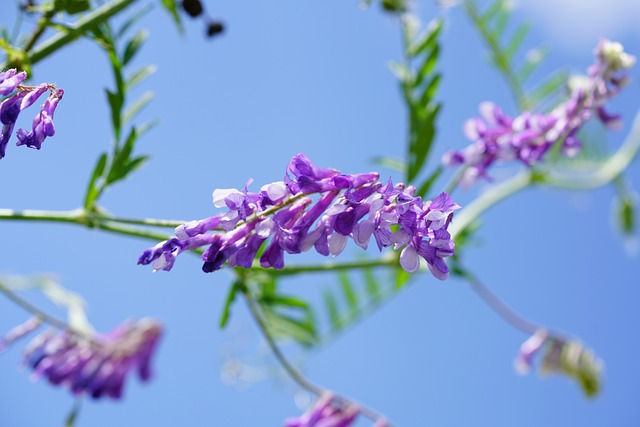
192, 7
214, 28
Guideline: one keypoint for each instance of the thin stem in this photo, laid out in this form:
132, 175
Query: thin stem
27, 306
499, 307
488, 199
292, 370
386, 261
43, 23
84, 24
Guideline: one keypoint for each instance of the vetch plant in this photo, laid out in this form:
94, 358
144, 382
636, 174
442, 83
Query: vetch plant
411, 214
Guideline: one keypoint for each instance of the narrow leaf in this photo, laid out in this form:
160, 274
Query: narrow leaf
372, 286
430, 89
427, 66
226, 310
502, 19
492, 10
348, 291
287, 327
332, 310
402, 277
136, 17
391, 163
134, 46
427, 39
516, 40
533, 58
171, 6
137, 106
140, 75
115, 102
121, 159
92, 191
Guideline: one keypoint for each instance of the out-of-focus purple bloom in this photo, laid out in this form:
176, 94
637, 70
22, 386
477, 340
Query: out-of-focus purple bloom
498, 137
9, 80
96, 367
560, 356
326, 413
26, 96
285, 217
18, 332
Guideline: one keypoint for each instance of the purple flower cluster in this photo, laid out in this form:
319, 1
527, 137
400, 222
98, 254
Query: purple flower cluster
24, 97
561, 356
327, 412
97, 366
348, 206
498, 137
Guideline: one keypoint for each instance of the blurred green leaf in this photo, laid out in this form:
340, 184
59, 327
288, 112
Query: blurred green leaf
71, 6
516, 41
231, 298
391, 163
116, 102
133, 19
348, 292
552, 85
332, 309
171, 6
137, 106
140, 75
119, 169
372, 285
133, 46
282, 326
427, 40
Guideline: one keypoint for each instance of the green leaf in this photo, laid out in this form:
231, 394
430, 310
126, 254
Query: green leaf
119, 167
421, 147
427, 66
348, 292
516, 41
171, 6
430, 89
116, 101
502, 20
332, 310
283, 326
372, 286
92, 191
533, 58
427, 40
137, 106
492, 11
134, 46
71, 6
133, 19
231, 298
391, 163
140, 75
288, 301
73, 415
402, 277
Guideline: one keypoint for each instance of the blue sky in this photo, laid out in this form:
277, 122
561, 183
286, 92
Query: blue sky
312, 77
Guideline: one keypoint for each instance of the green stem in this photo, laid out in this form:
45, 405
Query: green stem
37, 33
386, 261
293, 372
84, 24
488, 199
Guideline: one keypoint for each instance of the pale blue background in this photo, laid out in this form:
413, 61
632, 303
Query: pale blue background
293, 76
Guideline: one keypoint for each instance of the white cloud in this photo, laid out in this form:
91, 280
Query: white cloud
578, 24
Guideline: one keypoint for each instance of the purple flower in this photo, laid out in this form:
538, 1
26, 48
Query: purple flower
317, 208
26, 96
9, 80
42, 124
499, 138
326, 413
96, 365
